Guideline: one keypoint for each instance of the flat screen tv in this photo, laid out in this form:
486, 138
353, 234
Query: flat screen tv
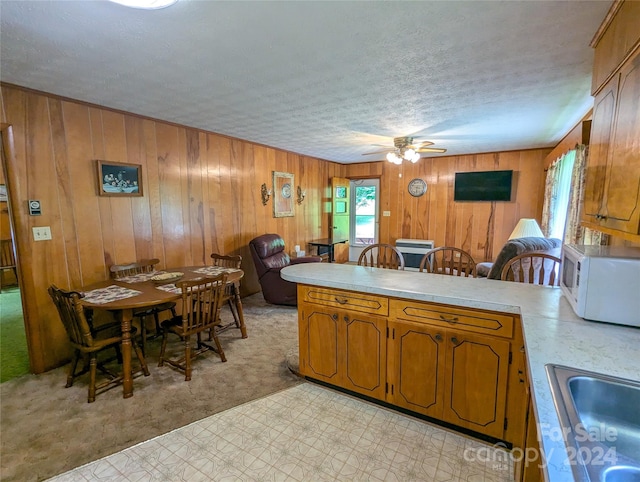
483, 186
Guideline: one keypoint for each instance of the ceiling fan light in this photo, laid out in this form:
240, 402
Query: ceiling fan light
415, 158
408, 154
393, 158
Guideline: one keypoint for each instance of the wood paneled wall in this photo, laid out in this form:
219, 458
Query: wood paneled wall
481, 228
201, 195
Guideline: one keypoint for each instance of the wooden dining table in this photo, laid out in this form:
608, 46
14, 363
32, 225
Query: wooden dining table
150, 294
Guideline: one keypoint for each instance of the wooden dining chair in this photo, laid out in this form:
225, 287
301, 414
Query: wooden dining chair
201, 303
88, 341
534, 268
7, 259
231, 294
381, 255
119, 271
450, 261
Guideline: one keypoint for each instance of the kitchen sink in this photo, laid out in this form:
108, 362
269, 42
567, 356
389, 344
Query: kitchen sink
600, 422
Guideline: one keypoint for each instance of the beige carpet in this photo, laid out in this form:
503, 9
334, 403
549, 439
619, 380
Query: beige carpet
48, 429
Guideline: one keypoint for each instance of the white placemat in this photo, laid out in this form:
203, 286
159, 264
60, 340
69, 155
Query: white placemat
214, 270
109, 294
139, 278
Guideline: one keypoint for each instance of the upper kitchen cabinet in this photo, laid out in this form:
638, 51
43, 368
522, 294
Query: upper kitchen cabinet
615, 39
612, 190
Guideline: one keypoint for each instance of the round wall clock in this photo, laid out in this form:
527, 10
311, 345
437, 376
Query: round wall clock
286, 191
417, 187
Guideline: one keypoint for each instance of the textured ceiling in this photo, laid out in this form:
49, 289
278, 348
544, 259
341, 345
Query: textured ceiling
323, 78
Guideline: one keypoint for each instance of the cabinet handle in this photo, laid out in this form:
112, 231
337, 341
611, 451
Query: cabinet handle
346, 318
342, 301
454, 340
438, 337
453, 320
334, 316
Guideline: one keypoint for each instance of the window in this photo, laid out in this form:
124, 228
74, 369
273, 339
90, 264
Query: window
556, 197
364, 222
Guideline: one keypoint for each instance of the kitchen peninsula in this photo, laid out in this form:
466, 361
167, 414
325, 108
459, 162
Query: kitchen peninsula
487, 322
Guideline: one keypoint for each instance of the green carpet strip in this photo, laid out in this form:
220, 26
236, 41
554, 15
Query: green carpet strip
14, 357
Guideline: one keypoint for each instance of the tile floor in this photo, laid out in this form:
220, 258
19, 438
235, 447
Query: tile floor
305, 433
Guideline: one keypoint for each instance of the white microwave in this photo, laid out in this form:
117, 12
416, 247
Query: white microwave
602, 283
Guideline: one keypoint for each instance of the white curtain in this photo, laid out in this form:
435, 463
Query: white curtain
574, 233
556, 195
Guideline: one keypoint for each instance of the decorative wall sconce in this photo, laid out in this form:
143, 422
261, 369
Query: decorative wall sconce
266, 194
301, 195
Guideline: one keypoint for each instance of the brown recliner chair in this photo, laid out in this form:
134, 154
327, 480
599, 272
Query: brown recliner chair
269, 257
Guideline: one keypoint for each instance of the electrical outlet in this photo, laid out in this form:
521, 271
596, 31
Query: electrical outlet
42, 233
457, 255
386, 213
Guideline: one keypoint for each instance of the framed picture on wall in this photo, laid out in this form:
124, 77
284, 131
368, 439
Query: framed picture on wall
119, 179
282, 194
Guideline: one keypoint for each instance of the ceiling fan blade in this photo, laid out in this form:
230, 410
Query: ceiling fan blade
419, 144
430, 149
378, 152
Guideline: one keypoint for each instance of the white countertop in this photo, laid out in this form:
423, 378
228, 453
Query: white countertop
552, 332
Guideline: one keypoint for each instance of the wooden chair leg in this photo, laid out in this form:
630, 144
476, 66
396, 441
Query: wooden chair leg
156, 317
118, 353
219, 347
143, 362
187, 357
238, 305
143, 333
72, 368
165, 335
93, 363
234, 312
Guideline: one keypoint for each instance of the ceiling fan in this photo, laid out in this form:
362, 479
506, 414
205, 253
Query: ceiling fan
405, 149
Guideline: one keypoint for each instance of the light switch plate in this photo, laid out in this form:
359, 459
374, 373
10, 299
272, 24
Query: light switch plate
386, 213
42, 233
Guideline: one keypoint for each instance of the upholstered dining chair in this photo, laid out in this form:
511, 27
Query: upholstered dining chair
269, 257
119, 271
231, 290
534, 268
87, 341
450, 261
381, 255
201, 303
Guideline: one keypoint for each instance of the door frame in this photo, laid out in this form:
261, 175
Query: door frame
7, 162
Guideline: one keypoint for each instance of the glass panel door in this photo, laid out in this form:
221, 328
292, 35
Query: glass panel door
363, 222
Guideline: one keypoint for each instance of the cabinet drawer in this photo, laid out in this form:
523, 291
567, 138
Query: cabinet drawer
468, 319
375, 305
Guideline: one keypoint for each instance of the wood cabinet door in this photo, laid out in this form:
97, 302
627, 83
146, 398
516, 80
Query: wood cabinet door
365, 353
416, 367
476, 382
601, 127
622, 203
319, 343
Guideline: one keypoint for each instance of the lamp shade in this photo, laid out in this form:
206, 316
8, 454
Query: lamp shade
525, 228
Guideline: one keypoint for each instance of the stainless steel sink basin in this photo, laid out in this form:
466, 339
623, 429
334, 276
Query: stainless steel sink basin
600, 418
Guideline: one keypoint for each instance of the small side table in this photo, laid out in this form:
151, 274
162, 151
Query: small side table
325, 246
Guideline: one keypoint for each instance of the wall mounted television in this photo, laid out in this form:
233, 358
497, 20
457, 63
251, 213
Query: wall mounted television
483, 186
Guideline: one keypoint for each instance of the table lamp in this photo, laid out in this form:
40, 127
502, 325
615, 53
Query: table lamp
526, 227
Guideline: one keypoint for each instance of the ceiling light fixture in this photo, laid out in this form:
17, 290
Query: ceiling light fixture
146, 4
403, 154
